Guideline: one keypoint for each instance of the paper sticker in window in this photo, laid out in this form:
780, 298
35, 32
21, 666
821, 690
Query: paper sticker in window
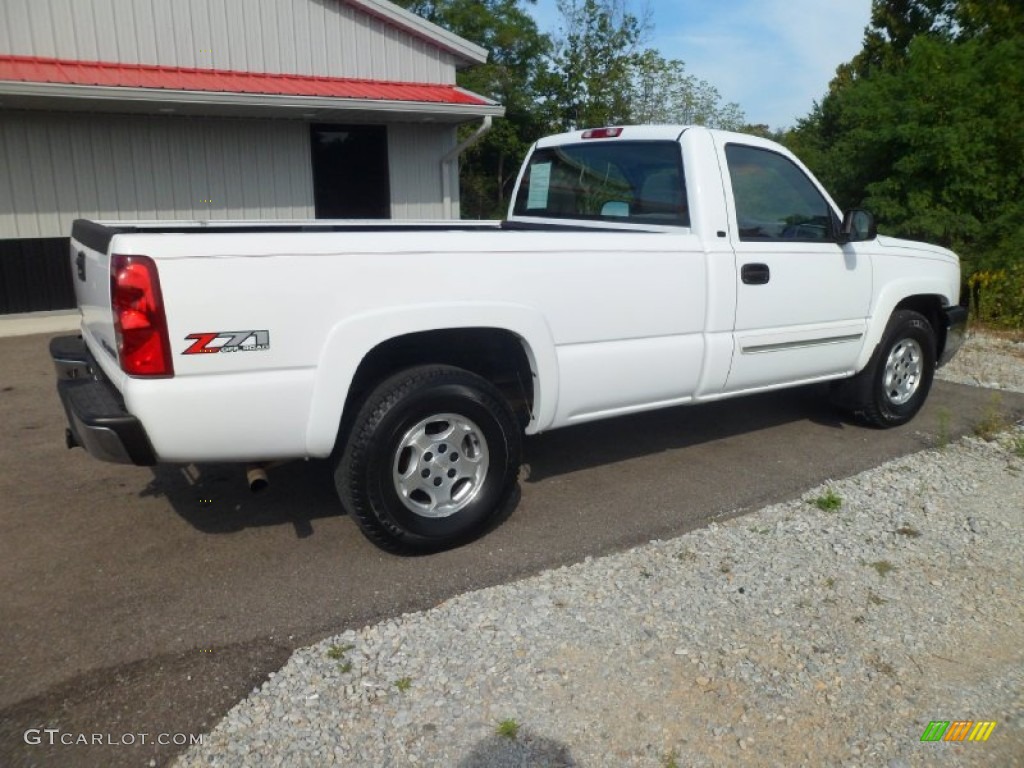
540, 183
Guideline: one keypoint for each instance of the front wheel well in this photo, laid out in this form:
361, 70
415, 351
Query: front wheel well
931, 306
495, 354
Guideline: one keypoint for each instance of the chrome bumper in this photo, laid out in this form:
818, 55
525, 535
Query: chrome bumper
97, 418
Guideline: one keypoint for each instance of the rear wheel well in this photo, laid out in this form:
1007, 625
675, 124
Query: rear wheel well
932, 308
494, 354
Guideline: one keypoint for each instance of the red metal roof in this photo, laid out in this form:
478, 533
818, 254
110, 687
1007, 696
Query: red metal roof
33, 69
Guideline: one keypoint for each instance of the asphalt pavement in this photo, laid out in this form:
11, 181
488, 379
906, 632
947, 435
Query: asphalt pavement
151, 600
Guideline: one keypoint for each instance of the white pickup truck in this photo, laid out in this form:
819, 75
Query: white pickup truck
639, 268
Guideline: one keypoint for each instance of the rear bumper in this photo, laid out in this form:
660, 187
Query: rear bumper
97, 418
956, 329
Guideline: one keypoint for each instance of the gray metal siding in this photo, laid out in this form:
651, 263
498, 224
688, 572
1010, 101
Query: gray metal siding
414, 163
308, 37
57, 167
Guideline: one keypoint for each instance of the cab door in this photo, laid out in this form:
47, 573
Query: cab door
802, 298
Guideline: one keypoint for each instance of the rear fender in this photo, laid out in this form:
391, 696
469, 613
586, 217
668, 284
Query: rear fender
352, 339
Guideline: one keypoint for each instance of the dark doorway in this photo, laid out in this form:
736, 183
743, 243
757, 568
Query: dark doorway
350, 171
35, 275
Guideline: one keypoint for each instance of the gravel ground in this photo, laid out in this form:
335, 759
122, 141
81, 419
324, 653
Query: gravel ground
792, 636
987, 361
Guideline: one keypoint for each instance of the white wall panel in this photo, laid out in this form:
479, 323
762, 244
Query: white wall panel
19, 194
56, 167
414, 166
124, 28
5, 28
86, 47
8, 213
310, 37
63, 27
105, 29
17, 27
39, 154
42, 32
146, 30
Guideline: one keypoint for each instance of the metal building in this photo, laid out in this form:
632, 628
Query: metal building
218, 109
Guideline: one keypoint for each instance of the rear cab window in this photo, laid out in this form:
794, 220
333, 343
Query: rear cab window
636, 182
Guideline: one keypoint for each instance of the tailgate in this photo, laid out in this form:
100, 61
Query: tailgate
90, 273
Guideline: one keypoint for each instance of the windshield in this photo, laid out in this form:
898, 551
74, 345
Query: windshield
639, 182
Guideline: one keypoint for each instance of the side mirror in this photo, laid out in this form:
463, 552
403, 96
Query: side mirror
858, 225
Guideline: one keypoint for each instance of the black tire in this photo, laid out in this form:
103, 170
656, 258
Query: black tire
399, 448
895, 384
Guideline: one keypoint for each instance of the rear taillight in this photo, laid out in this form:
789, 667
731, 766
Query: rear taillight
602, 133
139, 320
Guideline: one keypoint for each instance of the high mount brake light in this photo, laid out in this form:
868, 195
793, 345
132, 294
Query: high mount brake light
143, 345
602, 133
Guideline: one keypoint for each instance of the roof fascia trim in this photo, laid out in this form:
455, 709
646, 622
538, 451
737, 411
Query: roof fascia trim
167, 96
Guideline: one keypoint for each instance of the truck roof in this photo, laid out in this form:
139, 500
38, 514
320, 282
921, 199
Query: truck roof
646, 133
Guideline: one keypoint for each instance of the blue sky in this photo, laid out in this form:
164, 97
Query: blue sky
772, 57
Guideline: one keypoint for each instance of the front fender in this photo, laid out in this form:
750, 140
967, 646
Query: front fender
350, 340
889, 298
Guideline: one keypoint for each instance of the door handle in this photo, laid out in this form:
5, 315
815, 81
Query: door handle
755, 274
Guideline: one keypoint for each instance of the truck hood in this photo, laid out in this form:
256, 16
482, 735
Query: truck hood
914, 248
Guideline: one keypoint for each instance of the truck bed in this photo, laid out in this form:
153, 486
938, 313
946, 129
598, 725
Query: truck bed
98, 234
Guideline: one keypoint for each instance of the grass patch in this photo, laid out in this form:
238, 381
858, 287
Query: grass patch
876, 599
830, 582
337, 652
991, 422
830, 501
883, 567
945, 417
671, 760
1017, 446
507, 728
345, 668
403, 684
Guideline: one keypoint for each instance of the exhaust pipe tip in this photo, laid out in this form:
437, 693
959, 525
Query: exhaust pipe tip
256, 474
257, 478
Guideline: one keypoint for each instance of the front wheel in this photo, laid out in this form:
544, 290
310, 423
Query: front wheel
432, 460
896, 382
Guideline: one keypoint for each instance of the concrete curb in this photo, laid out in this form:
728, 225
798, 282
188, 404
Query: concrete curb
58, 321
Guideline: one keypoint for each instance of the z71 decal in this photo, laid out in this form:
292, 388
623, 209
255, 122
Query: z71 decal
227, 341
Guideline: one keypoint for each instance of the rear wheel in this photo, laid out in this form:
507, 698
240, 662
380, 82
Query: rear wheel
432, 460
896, 382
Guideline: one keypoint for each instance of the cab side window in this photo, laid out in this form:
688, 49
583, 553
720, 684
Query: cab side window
775, 201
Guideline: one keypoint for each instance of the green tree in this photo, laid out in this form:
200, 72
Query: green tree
592, 65
947, 134
511, 76
602, 75
895, 24
922, 127
596, 72
661, 91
